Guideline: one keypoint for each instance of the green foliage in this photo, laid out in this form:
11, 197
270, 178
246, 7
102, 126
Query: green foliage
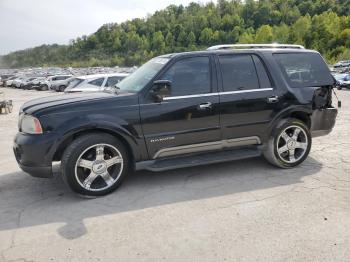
323, 25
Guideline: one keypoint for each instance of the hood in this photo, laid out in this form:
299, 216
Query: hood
50, 102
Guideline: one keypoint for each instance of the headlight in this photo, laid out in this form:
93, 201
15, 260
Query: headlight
30, 125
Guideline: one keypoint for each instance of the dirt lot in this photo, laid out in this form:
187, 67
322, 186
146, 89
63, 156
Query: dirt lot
238, 211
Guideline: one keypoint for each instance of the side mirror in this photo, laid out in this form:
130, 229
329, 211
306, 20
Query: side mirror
161, 89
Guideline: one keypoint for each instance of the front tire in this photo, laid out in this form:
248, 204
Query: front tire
44, 88
289, 144
94, 164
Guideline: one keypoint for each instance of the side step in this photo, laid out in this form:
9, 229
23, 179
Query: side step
197, 160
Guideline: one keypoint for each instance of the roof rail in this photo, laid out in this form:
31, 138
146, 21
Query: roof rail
251, 46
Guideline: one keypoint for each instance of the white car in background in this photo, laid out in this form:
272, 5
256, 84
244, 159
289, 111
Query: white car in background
94, 83
46, 84
9, 81
16, 83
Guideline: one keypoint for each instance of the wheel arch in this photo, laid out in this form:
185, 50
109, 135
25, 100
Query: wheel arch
57, 156
301, 113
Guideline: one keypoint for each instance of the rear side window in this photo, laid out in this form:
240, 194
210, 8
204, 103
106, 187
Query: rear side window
111, 81
304, 69
238, 72
97, 82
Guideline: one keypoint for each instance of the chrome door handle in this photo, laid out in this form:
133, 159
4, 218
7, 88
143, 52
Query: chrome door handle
203, 106
273, 99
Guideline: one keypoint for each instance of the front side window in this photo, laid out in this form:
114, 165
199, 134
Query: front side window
238, 72
189, 76
304, 69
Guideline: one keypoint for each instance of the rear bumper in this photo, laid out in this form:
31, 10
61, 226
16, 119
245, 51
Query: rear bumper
33, 155
37, 171
323, 121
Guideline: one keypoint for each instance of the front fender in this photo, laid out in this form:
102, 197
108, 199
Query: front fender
129, 132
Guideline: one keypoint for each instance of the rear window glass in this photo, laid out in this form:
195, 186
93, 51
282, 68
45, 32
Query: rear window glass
304, 69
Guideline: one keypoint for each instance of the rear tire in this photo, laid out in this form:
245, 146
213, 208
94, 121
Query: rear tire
289, 144
94, 164
44, 88
61, 89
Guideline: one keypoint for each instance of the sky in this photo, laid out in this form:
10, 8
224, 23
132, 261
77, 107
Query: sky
29, 23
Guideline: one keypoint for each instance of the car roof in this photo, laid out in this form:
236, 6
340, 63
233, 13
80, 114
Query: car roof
59, 75
101, 75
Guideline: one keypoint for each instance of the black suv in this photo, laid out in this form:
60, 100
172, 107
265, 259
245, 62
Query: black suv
182, 110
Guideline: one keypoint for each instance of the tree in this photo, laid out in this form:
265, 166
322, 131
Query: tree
169, 42
319, 24
191, 40
206, 36
264, 34
158, 44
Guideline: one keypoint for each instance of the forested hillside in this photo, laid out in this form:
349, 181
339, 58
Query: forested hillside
323, 25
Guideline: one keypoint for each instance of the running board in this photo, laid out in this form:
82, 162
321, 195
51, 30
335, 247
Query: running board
197, 160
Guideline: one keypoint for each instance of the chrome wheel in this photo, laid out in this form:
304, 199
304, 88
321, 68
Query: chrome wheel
292, 144
99, 167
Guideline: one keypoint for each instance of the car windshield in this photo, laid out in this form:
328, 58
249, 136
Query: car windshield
340, 77
137, 80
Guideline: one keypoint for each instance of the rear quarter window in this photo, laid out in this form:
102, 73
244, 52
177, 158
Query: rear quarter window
304, 69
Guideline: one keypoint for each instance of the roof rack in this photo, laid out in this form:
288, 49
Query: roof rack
252, 46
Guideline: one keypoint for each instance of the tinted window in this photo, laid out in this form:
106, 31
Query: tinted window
97, 82
111, 81
304, 69
264, 79
238, 73
62, 77
189, 76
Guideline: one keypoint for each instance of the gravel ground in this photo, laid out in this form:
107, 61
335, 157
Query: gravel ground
237, 211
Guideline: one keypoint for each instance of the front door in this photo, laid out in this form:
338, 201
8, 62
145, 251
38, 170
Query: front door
188, 119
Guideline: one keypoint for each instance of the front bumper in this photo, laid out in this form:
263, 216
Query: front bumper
323, 121
33, 153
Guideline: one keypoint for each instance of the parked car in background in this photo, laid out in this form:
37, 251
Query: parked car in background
34, 83
46, 84
9, 81
343, 81
345, 63
181, 110
18, 82
94, 83
25, 82
4, 78
61, 85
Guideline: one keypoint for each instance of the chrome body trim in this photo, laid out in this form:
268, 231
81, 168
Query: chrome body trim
219, 93
209, 146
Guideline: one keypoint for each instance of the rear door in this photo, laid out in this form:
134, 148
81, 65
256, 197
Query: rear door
248, 101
